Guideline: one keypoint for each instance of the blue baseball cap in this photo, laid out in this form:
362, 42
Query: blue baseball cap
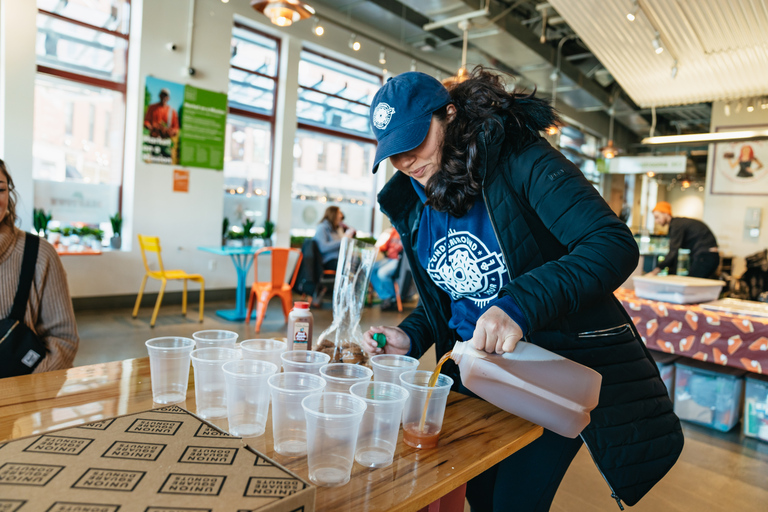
401, 112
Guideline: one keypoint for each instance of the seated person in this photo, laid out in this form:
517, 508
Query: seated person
383, 275
329, 234
49, 311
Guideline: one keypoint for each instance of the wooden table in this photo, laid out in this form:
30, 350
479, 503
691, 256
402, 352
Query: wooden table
476, 435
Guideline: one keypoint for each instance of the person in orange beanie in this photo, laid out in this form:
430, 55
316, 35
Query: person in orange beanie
689, 234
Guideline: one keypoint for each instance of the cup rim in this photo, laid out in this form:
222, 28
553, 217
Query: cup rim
344, 396
281, 345
186, 346
367, 371
443, 381
365, 386
256, 362
272, 381
284, 357
196, 357
401, 357
201, 335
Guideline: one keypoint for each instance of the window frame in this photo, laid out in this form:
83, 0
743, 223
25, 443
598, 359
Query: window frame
120, 87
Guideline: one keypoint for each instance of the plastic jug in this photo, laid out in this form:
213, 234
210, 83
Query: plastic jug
532, 383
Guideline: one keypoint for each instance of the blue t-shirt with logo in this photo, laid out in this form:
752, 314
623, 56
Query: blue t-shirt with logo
463, 257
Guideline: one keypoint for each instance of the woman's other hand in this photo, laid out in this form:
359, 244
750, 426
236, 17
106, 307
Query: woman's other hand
397, 341
496, 332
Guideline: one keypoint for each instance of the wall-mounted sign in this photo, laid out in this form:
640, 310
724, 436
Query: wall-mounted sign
183, 125
674, 164
180, 180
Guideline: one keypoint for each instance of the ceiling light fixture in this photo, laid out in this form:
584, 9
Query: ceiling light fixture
354, 43
317, 28
382, 56
673, 71
693, 138
727, 108
764, 104
751, 106
631, 15
610, 151
658, 48
283, 13
413, 64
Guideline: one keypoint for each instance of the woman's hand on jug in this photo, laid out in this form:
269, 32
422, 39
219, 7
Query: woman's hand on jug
398, 341
496, 332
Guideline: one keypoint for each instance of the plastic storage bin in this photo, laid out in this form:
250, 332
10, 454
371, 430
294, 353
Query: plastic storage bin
665, 364
707, 394
677, 289
756, 406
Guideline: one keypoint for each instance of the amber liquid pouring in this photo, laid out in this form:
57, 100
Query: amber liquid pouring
422, 431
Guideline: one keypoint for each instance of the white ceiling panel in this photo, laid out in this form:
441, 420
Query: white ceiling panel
720, 47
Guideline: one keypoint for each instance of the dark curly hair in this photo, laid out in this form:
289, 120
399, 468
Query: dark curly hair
10, 218
483, 104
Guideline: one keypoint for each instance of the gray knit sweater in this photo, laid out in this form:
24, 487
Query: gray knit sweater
49, 310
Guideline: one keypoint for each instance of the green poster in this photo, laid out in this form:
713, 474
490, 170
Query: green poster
204, 124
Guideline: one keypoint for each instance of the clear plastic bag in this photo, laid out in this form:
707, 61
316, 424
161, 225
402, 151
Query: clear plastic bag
343, 339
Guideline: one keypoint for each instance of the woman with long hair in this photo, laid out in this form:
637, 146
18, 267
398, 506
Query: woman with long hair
508, 240
49, 313
328, 235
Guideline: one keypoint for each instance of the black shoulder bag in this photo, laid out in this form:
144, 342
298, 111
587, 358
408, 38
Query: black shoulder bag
20, 348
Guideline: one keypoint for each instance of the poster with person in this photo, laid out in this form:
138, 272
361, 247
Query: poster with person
740, 168
183, 125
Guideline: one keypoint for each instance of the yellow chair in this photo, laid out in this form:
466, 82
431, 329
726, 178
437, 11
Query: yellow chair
152, 244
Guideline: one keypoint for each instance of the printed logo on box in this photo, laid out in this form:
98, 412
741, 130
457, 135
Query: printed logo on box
208, 431
199, 485
64, 506
261, 461
156, 427
59, 444
11, 505
272, 487
98, 425
208, 455
28, 474
171, 409
109, 479
134, 451
176, 509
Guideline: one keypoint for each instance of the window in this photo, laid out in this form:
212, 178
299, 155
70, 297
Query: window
79, 109
581, 149
334, 147
250, 125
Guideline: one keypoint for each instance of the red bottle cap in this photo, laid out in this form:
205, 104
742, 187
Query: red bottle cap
301, 305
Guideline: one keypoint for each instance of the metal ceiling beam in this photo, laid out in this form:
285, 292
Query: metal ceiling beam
416, 18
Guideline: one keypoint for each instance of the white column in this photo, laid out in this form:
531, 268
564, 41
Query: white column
285, 135
17, 94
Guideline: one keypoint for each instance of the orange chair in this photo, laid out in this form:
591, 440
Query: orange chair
281, 283
152, 244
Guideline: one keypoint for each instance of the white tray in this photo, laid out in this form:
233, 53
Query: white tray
677, 289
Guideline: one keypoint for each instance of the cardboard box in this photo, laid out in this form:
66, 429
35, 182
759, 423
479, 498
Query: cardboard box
707, 394
159, 460
756, 406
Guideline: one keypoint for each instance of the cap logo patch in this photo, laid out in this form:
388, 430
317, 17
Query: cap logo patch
382, 114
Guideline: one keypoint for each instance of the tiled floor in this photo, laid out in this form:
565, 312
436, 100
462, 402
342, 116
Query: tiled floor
716, 472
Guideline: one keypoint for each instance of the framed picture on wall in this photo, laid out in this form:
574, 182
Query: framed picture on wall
740, 168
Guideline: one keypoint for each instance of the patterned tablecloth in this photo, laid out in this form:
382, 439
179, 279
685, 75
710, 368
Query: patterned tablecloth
688, 330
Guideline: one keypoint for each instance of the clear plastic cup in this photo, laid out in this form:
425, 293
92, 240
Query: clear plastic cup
333, 422
425, 408
247, 396
377, 439
307, 361
215, 338
389, 367
210, 388
169, 368
289, 429
264, 350
341, 376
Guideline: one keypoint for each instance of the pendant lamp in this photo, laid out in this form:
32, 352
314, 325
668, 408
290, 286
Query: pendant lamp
283, 12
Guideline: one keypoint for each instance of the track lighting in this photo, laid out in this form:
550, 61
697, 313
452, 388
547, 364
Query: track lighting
658, 48
632, 14
727, 109
354, 43
673, 71
413, 64
317, 28
751, 106
382, 56
764, 104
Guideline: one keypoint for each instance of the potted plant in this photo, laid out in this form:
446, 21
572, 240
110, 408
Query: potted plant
40, 220
247, 234
269, 230
66, 236
235, 238
54, 236
117, 227
224, 230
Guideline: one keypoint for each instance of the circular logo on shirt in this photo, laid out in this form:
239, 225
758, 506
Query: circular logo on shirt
382, 115
464, 267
